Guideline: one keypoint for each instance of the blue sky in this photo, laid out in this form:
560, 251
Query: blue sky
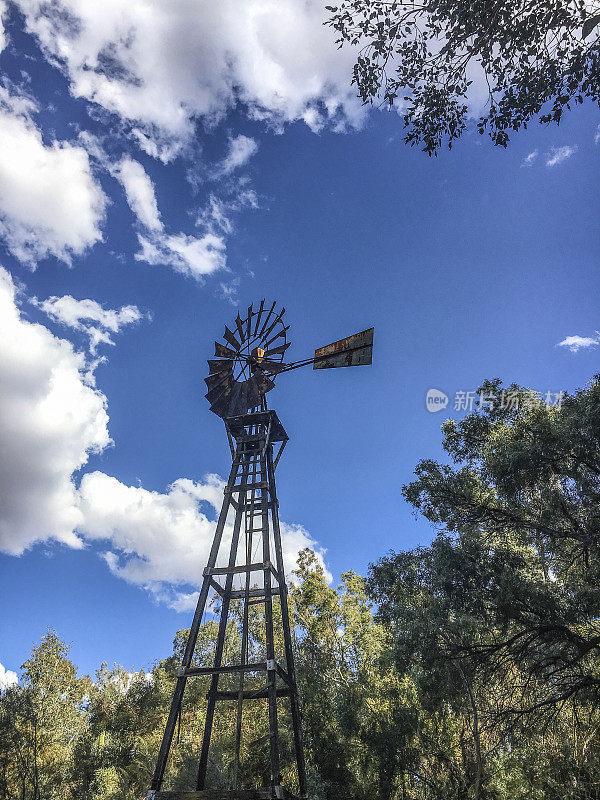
148, 180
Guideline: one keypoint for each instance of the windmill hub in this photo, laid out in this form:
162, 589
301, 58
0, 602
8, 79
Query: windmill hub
257, 355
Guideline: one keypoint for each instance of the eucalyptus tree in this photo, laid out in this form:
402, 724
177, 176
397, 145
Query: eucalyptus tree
513, 574
519, 59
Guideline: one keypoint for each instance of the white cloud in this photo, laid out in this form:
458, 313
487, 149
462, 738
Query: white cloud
240, 151
50, 204
161, 540
161, 65
194, 256
140, 193
218, 211
89, 317
8, 678
575, 343
50, 422
3, 11
557, 155
529, 160
597, 135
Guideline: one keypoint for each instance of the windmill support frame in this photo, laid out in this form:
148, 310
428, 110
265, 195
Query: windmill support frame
251, 493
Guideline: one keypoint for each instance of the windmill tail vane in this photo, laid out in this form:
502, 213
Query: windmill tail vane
242, 372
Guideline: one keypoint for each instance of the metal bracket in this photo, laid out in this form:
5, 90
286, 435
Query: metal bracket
181, 672
271, 664
278, 456
230, 439
267, 437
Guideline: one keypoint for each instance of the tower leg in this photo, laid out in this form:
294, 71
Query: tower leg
269, 636
163, 753
214, 684
287, 636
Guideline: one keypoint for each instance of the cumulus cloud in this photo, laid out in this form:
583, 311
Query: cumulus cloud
50, 204
530, 159
3, 39
51, 420
89, 317
557, 155
139, 190
161, 66
8, 678
575, 343
161, 540
240, 151
191, 255
194, 256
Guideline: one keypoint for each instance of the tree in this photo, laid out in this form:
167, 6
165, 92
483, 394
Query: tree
359, 716
531, 58
516, 564
395, 708
459, 737
41, 724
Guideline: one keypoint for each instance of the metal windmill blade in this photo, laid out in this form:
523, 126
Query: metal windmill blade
237, 381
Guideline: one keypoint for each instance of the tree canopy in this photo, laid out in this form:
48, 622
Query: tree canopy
500, 616
519, 59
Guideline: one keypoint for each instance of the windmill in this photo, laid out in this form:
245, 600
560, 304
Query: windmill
242, 372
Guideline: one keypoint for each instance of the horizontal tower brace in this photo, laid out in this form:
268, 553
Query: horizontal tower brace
259, 666
256, 567
248, 694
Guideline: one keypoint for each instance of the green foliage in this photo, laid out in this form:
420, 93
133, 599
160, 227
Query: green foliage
358, 716
99, 738
535, 58
523, 495
41, 725
497, 620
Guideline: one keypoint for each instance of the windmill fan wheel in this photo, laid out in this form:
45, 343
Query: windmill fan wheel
242, 371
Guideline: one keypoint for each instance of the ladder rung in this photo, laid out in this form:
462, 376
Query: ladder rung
256, 567
249, 694
260, 666
238, 594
